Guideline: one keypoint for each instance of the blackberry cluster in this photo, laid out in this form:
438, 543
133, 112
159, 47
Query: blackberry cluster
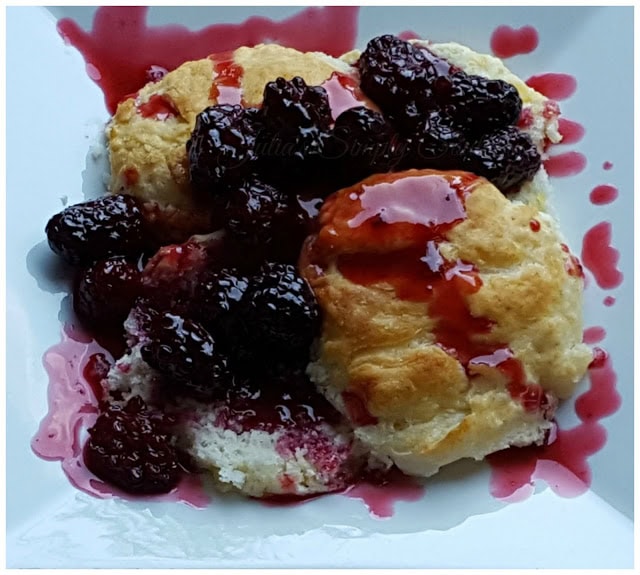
448, 118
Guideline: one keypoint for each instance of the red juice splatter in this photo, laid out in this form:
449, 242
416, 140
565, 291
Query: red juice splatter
593, 335
73, 408
571, 132
609, 301
564, 165
121, 49
380, 498
600, 258
408, 35
607, 165
603, 194
556, 86
563, 462
507, 42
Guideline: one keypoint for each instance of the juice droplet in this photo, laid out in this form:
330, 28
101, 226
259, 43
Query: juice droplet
556, 86
600, 258
564, 165
571, 132
593, 335
603, 194
507, 42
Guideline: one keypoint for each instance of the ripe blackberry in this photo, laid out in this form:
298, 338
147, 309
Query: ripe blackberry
217, 295
394, 72
436, 143
280, 312
506, 157
479, 105
94, 230
221, 149
256, 210
290, 106
296, 123
106, 292
186, 354
363, 143
131, 448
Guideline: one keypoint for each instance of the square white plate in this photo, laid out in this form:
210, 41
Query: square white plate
54, 115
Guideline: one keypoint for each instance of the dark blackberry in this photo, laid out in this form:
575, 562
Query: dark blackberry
131, 447
217, 296
290, 106
279, 312
256, 211
436, 143
106, 292
479, 105
296, 127
185, 353
221, 149
393, 73
91, 231
363, 143
506, 157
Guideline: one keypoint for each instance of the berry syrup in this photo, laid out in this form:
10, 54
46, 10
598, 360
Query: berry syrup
600, 257
507, 42
563, 462
123, 52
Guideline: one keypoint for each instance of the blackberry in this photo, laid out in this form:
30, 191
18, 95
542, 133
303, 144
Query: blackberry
106, 292
131, 448
185, 353
296, 122
436, 143
393, 73
506, 157
94, 230
479, 105
221, 149
279, 312
363, 143
256, 210
290, 106
217, 296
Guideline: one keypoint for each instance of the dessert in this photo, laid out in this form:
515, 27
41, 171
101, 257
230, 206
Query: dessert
321, 268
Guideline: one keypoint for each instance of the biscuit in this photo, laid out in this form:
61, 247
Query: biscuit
452, 317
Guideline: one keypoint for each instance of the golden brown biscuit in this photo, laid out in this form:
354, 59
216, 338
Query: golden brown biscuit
452, 317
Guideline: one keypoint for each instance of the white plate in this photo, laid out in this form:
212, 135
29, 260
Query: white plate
55, 113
